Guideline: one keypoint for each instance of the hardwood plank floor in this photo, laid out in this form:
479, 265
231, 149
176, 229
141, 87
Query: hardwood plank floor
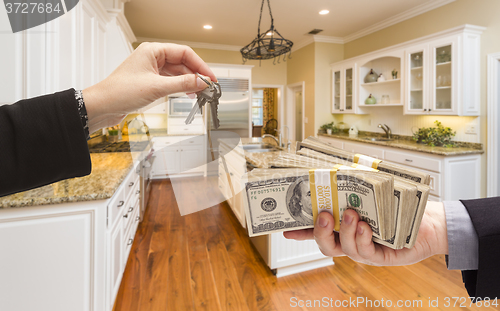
205, 261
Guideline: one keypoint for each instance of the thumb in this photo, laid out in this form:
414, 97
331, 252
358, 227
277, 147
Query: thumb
188, 83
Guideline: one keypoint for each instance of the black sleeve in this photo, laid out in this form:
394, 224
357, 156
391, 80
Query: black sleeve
41, 141
485, 281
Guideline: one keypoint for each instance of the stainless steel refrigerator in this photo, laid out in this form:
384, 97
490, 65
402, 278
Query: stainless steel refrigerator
233, 112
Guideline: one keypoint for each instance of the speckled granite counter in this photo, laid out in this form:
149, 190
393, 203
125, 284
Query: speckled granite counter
405, 143
108, 172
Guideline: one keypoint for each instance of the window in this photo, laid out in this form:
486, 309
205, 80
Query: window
257, 106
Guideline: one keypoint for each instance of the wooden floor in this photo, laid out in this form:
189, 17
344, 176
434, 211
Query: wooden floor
205, 261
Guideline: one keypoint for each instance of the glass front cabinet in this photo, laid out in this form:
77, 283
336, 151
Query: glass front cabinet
343, 89
442, 76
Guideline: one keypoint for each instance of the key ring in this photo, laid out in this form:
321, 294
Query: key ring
203, 79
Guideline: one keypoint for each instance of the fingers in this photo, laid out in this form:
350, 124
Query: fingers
364, 243
186, 84
180, 54
299, 235
348, 232
325, 237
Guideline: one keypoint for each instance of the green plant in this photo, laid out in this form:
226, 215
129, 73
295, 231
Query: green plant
327, 126
435, 136
394, 73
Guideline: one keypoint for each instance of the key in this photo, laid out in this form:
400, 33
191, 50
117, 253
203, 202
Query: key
203, 97
214, 104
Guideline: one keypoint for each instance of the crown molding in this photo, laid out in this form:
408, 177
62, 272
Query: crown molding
125, 26
425, 7
198, 45
328, 39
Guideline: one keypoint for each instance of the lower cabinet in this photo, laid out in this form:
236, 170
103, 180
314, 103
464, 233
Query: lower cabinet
179, 156
452, 177
68, 256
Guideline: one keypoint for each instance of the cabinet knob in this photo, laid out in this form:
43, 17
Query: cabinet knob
138, 218
125, 216
408, 160
425, 109
130, 241
429, 110
138, 191
120, 204
130, 209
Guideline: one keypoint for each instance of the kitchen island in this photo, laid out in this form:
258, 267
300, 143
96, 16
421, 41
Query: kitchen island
282, 256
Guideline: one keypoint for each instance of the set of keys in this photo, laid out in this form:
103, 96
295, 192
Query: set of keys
211, 94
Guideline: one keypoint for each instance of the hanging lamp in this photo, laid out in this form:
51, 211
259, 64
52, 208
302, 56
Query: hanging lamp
265, 47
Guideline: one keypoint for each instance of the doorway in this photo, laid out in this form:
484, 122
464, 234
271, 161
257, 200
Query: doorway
295, 110
493, 150
267, 107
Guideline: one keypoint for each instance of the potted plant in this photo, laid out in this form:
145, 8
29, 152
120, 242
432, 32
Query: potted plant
329, 128
394, 74
435, 136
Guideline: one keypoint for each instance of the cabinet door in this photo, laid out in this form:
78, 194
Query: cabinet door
349, 90
417, 76
336, 87
171, 158
115, 264
444, 76
192, 159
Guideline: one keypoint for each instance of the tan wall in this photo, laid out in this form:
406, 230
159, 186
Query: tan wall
266, 73
301, 68
325, 54
481, 13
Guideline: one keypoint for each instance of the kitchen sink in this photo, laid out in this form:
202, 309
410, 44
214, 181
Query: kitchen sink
378, 139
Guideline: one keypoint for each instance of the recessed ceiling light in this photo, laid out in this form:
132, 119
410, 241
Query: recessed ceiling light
324, 12
207, 27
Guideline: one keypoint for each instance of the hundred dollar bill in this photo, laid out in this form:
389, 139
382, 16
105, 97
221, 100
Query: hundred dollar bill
287, 199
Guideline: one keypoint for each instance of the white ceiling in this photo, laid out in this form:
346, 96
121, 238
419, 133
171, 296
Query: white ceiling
235, 21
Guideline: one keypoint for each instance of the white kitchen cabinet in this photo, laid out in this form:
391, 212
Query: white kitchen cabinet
115, 264
179, 156
53, 257
231, 71
452, 177
443, 74
344, 88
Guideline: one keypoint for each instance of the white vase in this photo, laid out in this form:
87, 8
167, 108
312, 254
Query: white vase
329, 131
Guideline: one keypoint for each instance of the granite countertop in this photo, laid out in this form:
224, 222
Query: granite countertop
260, 159
405, 142
108, 172
164, 133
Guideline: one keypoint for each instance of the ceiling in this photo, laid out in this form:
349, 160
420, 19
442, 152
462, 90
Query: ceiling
235, 21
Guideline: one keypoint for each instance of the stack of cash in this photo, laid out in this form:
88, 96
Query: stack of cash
317, 145
286, 197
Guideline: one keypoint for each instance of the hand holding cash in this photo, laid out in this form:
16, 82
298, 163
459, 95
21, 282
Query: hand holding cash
355, 239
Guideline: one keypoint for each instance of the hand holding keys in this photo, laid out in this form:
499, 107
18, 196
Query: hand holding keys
211, 94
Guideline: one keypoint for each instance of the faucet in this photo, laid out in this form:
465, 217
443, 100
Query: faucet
279, 139
278, 142
386, 129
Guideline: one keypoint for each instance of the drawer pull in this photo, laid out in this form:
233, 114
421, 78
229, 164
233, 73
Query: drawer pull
120, 204
408, 160
130, 241
138, 191
138, 218
230, 173
130, 209
125, 216
131, 184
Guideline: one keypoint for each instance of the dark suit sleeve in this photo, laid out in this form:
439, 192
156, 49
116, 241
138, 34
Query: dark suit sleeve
41, 141
485, 216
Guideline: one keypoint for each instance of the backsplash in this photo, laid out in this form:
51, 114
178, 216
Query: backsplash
407, 124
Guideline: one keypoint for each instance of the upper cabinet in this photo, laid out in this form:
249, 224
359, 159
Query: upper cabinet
438, 74
344, 88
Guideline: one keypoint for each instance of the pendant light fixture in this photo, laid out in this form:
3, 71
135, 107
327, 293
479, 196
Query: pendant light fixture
268, 44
